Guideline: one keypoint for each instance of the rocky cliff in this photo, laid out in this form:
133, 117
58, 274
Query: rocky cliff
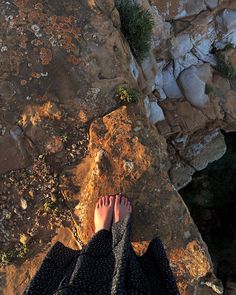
65, 138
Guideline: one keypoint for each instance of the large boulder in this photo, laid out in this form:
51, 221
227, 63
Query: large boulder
193, 82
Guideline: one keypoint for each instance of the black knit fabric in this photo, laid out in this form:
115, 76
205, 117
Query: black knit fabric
107, 265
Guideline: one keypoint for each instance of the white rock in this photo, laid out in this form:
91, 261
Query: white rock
202, 50
159, 85
147, 106
170, 85
226, 28
153, 111
180, 46
226, 21
211, 3
193, 82
23, 204
185, 62
133, 68
156, 113
149, 68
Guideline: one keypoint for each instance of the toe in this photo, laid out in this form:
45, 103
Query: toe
117, 200
97, 205
101, 201
111, 201
123, 201
106, 200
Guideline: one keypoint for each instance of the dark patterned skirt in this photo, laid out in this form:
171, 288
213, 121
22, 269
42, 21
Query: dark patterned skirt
107, 265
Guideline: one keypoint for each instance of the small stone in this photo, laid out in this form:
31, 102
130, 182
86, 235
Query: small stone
6, 214
24, 238
128, 166
23, 204
53, 198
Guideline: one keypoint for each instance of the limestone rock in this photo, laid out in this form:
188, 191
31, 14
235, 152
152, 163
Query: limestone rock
170, 85
206, 149
193, 81
175, 9
156, 113
226, 26
181, 45
212, 3
182, 63
153, 111
195, 155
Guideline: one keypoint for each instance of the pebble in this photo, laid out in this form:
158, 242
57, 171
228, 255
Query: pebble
23, 204
6, 214
24, 238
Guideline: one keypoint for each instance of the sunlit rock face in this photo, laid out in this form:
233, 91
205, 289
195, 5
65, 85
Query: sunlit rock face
65, 138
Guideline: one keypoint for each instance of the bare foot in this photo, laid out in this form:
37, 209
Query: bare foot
122, 208
103, 213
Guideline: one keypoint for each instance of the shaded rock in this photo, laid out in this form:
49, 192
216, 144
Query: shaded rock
153, 111
159, 79
229, 106
170, 85
14, 151
182, 63
181, 174
156, 113
181, 45
195, 155
226, 21
182, 117
175, 9
204, 149
212, 3
193, 82
149, 70
226, 26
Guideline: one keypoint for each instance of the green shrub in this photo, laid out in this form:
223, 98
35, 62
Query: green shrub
136, 25
127, 95
229, 46
208, 89
225, 68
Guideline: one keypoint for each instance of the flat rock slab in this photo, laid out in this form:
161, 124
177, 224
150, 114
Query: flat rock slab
134, 163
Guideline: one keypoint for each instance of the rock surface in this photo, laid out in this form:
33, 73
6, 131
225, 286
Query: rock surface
65, 139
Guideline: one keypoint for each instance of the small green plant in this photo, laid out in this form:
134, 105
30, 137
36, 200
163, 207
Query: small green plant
23, 250
64, 137
136, 25
51, 206
127, 95
19, 122
225, 68
229, 46
9, 256
208, 89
